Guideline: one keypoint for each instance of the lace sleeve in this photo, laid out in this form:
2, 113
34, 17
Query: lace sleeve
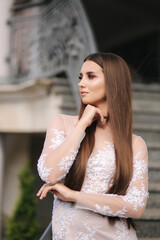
132, 204
59, 150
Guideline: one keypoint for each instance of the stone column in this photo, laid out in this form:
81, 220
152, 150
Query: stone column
1, 178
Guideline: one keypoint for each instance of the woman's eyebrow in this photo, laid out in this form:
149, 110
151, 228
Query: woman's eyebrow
89, 73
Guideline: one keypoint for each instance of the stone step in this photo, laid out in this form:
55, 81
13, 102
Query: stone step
148, 127
154, 175
151, 214
147, 88
149, 229
69, 99
147, 119
154, 195
61, 81
154, 187
153, 155
152, 145
149, 224
149, 238
146, 106
69, 111
146, 95
154, 165
62, 89
149, 135
154, 172
68, 105
68, 108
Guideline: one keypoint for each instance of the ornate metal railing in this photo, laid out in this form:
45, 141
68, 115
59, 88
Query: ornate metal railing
54, 41
47, 235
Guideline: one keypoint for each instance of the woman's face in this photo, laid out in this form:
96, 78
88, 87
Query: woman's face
92, 84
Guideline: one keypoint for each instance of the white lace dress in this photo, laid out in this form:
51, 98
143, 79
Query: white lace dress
88, 218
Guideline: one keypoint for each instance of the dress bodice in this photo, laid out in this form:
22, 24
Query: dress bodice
100, 169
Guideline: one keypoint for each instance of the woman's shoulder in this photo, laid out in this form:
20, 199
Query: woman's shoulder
137, 138
63, 122
65, 116
72, 118
138, 143
67, 120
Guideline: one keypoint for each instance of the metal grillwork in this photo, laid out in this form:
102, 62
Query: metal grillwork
54, 41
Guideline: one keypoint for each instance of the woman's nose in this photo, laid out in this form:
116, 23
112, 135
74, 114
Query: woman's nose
81, 83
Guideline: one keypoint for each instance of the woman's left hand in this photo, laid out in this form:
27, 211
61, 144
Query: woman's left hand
60, 190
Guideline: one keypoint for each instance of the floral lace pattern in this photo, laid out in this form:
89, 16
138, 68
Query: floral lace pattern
106, 211
140, 167
64, 165
136, 197
43, 171
58, 139
63, 217
122, 231
89, 232
100, 169
67, 161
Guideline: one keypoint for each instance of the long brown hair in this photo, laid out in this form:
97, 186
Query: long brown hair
119, 96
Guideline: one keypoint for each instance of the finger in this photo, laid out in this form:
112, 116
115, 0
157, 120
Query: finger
45, 191
100, 115
52, 191
41, 189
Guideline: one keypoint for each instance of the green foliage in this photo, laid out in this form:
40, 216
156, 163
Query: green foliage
22, 224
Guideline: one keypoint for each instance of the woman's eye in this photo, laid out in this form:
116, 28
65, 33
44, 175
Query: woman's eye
90, 76
80, 78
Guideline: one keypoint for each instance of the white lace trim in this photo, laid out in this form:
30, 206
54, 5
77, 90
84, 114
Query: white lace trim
43, 171
64, 164
136, 197
58, 139
55, 142
139, 168
108, 212
67, 161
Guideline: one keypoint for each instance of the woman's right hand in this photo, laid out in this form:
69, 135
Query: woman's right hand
90, 114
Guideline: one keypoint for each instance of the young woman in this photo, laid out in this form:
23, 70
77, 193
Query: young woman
94, 165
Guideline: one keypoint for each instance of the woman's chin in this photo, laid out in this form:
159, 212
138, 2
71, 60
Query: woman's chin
87, 102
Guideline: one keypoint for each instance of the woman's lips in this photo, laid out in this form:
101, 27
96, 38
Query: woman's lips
83, 93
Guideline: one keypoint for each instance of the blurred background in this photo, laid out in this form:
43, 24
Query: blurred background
42, 47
